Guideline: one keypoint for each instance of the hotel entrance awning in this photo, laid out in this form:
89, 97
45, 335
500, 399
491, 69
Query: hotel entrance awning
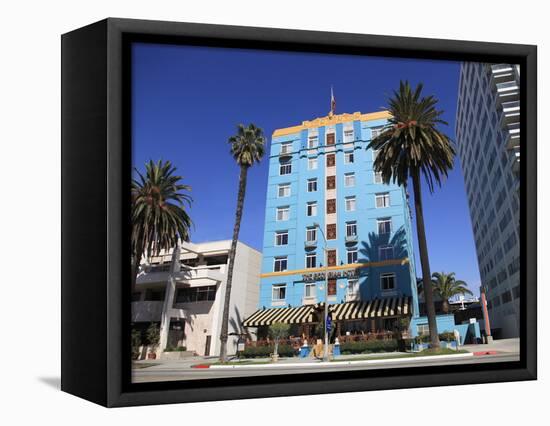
298, 315
377, 308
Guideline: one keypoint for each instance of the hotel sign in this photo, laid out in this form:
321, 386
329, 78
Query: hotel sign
320, 276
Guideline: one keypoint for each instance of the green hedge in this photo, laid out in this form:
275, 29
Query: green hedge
370, 346
448, 336
178, 349
266, 351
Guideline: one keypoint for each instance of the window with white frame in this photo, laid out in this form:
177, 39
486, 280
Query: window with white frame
285, 168
351, 229
284, 190
280, 264
353, 287
376, 131
423, 329
378, 177
283, 213
387, 282
309, 290
311, 209
348, 135
286, 148
348, 157
384, 226
312, 163
350, 204
349, 179
352, 255
311, 260
382, 200
312, 141
312, 185
278, 292
281, 238
385, 252
311, 234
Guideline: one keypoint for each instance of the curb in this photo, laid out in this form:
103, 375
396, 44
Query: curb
340, 363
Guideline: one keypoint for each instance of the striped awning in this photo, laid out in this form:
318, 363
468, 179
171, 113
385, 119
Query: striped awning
298, 315
377, 308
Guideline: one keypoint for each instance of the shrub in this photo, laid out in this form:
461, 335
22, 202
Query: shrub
447, 336
177, 349
370, 346
266, 351
153, 334
136, 343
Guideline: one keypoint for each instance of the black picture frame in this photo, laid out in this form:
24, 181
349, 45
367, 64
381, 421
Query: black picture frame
95, 211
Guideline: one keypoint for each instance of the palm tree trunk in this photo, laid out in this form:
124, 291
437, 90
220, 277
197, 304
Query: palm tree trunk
424, 261
232, 252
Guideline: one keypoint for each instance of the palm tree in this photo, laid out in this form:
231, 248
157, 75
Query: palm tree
247, 148
411, 146
159, 216
446, 286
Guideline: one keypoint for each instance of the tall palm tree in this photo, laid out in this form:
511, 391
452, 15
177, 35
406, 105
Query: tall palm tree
410, 146
247, 148
447, 286
159, 215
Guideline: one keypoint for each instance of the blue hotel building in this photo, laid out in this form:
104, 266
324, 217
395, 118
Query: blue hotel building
321, 177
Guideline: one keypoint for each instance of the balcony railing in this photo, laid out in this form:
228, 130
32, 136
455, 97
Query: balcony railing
351, 238
312, 243
507, 92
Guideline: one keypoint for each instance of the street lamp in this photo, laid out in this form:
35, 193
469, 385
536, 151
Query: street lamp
325, 354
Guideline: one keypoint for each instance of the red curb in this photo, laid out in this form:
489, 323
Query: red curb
200, 366
485, 353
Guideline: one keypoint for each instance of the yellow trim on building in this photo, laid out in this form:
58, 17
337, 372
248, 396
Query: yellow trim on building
337, 268
332, 119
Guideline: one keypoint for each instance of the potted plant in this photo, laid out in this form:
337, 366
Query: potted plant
153, 337
278, 331
136, 343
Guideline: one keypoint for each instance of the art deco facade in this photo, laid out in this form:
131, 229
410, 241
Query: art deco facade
488, 138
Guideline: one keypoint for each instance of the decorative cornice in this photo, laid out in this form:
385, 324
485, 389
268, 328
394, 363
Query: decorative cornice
331, 120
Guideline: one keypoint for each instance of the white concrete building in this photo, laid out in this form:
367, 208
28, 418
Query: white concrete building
488, 138
184, 293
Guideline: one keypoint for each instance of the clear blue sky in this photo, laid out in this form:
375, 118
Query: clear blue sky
187, 101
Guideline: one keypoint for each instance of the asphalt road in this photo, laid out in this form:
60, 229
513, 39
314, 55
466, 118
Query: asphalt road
159, 373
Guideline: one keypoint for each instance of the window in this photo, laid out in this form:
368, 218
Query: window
311, 260
353, 287
280, 264
286, 147
330, 139
506, 296
154, 295
309, 290
331, 288
513, 267
384, 226
348, 157
382, 200
312, 142
331, 206
283, 213
378, 177
196, 294
517, 292
351, 229
385, 252
281, 238
349, 179
311, 209
312, 185
312, 163
311, 234
375, 132
331, 231
387, 282
331, 160
331, 257
423, 329
331, 182
350, 204
278, 292
352, 255
284, 190
285, 168
348, 135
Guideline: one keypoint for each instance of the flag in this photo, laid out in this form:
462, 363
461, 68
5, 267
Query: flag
332, 101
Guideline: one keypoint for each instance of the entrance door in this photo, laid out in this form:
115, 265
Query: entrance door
207, 346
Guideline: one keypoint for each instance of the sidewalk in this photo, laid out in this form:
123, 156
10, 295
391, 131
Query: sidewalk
502, 345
